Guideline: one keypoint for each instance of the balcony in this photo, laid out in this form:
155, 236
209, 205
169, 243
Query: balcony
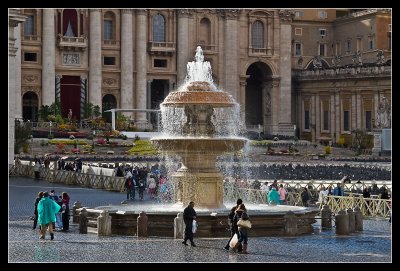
31, 40
208, 49
161, 48
259, 51
111, 44
72, 43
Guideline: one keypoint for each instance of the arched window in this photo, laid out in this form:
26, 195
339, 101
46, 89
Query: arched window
108, 26
70, 23
257, 35
158, 28
205, 31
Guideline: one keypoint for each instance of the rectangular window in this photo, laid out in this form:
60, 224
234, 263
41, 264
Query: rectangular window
108, 33
109, 60
30, 57
322, 49
298, 31
346, 121
371, 43
297, 49
29, 26
322, 32
160, 63
299, 14
368, 121
326, 120
348, 46
306, 120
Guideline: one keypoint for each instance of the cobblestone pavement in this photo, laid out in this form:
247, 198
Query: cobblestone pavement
374, 244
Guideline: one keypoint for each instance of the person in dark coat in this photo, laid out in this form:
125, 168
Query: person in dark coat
65, 211
35, 212
188, 215
233, 227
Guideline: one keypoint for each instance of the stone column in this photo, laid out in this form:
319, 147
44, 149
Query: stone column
95, 57
141, 64
285, 93
14, 19
179, 226
290, 224
182, 50
338, 114
142, 225
353, 119
352, 220
275, 104
48, 58
317, 116
231, 52
359, 112
326, 220
104, 224
313, 119
342, 223
126, 61
333, 117
18, 96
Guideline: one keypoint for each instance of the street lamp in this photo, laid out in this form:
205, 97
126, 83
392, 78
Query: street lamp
94, 134
259, 132
50, 129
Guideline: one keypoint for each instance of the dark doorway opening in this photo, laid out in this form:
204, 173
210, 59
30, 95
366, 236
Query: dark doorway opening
30, 106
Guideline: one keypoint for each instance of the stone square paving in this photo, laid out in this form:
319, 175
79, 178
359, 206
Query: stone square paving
374, 244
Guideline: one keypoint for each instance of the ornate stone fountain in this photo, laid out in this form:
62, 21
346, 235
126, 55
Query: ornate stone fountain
191, 130
199, 123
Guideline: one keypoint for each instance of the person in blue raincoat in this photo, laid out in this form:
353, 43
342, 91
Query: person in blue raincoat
47, 210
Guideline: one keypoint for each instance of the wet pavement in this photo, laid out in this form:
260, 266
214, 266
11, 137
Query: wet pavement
374, 244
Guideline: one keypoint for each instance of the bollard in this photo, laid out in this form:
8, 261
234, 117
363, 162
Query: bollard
352, 220
290, 223
83, 221
104, 224
342, 222
178, 226
359, 219
75, 215
326, 220
142, 225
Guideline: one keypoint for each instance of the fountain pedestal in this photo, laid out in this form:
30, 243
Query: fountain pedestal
205, 188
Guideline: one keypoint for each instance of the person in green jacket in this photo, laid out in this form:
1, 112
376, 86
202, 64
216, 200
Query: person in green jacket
47, 210
273, 197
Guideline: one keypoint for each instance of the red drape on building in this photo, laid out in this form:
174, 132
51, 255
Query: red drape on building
69, 15
70, 96
81, 25
59, 23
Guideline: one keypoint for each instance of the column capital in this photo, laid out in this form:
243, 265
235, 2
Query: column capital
127, 11
59, 76
83, 77
185, 12
232, 14
141, 11
286, 15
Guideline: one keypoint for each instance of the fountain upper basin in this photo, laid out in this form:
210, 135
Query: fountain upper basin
202, 145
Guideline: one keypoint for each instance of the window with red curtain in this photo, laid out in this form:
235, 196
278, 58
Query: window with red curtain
70, 15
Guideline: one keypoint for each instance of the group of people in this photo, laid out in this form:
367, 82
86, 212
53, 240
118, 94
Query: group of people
51, 209
237, 213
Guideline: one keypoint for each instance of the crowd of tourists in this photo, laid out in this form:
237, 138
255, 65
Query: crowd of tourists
49, 209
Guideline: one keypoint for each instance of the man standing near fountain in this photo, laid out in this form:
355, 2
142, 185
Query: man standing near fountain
188, 215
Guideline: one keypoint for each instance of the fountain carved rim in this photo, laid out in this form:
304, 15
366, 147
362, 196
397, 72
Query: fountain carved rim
199, 93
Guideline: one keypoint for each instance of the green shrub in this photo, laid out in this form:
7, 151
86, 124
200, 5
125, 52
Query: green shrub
143, 147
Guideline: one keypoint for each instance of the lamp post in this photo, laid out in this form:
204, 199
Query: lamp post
50, 130
31, 136
259, 132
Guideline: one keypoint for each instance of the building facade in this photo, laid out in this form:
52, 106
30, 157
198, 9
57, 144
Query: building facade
281, 66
